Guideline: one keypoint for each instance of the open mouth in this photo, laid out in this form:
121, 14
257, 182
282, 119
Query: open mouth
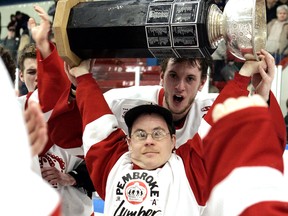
177, 98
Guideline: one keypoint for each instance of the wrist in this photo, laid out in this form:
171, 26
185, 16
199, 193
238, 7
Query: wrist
73, 175
72, 180
44, 48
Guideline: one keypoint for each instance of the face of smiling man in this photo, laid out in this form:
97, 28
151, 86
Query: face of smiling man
149, 153
181, 82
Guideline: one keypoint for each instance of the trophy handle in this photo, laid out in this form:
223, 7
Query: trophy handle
59, 27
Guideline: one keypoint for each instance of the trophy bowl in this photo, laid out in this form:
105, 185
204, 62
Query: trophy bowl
242, 25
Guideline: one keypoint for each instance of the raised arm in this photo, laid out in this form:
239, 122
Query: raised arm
243, 160
52, 79
103, 141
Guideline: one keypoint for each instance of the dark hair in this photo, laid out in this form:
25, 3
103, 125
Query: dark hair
11, 25
12, 16
18, 13
29, 51
8, 61
204, 63
287, 103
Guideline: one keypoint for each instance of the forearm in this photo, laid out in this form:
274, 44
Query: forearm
233, 150
44, 48
103, 142
52, 79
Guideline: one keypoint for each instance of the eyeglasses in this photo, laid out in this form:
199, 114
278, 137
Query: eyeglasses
142, 135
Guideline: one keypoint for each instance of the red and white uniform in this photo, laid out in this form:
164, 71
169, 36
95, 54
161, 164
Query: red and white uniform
243, 156
180, 186
18, 180
170, 190
51, 83
122, 99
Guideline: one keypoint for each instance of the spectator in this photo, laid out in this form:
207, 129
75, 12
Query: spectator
52, 9
280, 2
13, 20
10, 42
21, 23
20, 87
277, 29
271, 6
219, 61
233, 65
9, 62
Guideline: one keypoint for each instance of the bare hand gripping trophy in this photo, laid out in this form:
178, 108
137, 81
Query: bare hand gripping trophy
146, 29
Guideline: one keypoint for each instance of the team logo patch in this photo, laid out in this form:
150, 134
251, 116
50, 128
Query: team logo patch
137, 193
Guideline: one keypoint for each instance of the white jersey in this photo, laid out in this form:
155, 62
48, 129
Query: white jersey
122, 99
18, 180
156, 191
74, 200
35, 160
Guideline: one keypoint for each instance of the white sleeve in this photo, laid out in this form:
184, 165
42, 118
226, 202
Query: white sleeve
43, 199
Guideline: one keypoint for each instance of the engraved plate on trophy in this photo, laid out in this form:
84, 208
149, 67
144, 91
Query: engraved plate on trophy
159, 41
159, 36
184, 36
185, 12
185, 41
159, 13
